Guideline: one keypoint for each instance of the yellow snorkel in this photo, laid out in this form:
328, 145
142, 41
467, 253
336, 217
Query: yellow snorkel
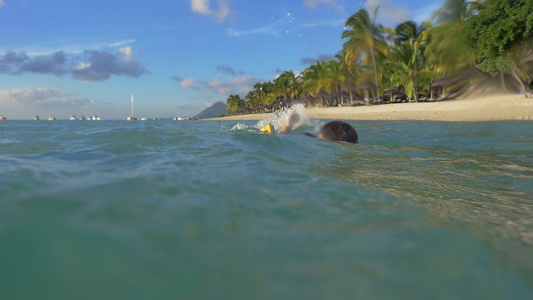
268, 129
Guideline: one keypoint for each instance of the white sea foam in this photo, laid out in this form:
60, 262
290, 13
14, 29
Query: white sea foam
239, 126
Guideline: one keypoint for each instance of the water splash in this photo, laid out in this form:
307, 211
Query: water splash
239, 126
282, 116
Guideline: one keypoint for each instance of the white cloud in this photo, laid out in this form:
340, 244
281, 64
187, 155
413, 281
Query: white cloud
1, 3
126, 51
215, 84
83, 65
334, 23
202, 7
332, 3
116, 44
26, 102
283, 26
389, 14
76, 48
34, 98
189, 84
270, 29
234, 85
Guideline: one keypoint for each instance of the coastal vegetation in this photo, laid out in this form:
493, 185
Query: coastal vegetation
467, 47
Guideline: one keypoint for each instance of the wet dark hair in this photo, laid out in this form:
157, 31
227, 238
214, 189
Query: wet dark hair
339, 131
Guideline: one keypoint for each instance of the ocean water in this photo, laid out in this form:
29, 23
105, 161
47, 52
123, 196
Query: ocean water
214, 210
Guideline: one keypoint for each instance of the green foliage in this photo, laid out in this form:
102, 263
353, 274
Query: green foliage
494, 65
500, 25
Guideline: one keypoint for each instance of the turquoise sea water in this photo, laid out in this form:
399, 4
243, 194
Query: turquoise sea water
196, 210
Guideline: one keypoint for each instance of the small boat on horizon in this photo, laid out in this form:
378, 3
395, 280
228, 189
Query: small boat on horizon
94, 118
3, 118
51, 118
72, 118
36, 118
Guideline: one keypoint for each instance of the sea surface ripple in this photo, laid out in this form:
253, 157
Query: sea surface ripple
202, 210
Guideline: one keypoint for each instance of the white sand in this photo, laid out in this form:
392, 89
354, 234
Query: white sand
494, 108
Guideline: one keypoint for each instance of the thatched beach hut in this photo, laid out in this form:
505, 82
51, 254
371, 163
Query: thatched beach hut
438, 87
368, 86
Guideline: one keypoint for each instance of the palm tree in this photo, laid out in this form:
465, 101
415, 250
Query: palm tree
449, 50
407, 62
409, 31
410, 68
234, 103
334, 77
309, 83
286, 86
364, 40
311, 79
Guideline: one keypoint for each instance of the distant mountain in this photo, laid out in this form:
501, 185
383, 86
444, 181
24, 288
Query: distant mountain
214, 111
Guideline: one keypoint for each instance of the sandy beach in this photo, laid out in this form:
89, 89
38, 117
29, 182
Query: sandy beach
493, 108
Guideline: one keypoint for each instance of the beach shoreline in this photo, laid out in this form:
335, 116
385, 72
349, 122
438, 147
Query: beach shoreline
492, 108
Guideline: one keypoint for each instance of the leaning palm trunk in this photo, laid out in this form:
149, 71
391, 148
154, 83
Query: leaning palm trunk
503, 82
375, 68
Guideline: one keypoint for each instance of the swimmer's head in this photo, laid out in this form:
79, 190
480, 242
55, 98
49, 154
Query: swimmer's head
338, 131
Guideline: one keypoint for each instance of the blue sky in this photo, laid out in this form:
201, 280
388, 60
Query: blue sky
177, 57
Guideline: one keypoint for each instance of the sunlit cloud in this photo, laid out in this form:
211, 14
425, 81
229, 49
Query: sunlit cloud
333, 23
100, 66
331, 3
190, 84
281, 26
20, 98
82, 66
1, 3
389, 14
26, 102
270, 29
77, 48
126, 51
203, 7
234, 85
